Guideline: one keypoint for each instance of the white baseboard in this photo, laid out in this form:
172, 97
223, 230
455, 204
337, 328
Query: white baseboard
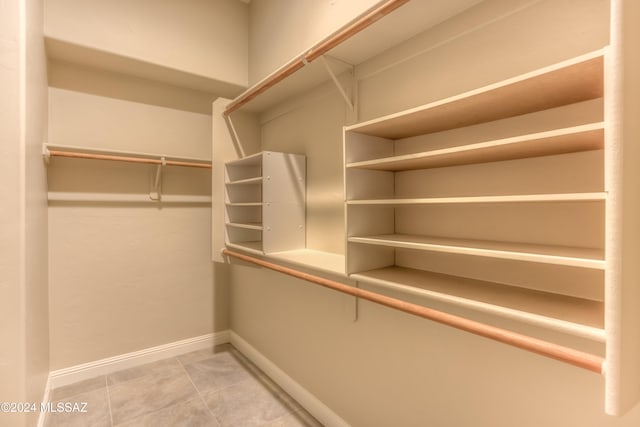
310, 402
85, 371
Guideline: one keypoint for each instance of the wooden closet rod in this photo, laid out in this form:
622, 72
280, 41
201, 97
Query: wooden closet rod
353, 29
127, 159
568, 355
315, 52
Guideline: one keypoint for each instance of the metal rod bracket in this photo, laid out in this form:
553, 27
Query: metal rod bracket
336, 81
156, 193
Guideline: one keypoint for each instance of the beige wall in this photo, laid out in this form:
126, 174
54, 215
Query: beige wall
138, 76
12, 352
36, 224
24, 345
200, 37
389, 368
126, 276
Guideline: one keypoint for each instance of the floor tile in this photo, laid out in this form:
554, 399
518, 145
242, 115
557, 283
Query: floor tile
217, 387
77, 388
220, 371
249, 403
295, 419
96, 415
140, 396
190, 413
164, 367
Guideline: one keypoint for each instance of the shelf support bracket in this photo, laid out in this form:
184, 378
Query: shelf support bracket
234, 136
336, 81
156, 193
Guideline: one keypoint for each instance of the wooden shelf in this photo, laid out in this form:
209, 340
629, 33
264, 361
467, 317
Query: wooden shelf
66, 52
245, 204
251, 247
251, 160
575, 316
271, 210
523, 198
248, 226
327, 262
560, 141
574, 257
576, 80
248, 181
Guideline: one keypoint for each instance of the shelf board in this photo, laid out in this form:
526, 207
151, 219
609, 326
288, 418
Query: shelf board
576, 316
67, 52
247, 225
244, 204
251, 247
247, 181
251, 160
576, 80
558, 141
574, 257
525, 198
310, 258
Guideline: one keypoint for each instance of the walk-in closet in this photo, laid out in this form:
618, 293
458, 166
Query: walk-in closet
306, 213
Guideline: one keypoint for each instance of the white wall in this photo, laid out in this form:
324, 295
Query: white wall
24, 345
389, 368
126, 276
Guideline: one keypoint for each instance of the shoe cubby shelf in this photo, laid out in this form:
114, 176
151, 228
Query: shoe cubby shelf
493, 199
265, 202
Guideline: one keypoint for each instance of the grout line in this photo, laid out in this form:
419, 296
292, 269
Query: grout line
106, 384
204, 402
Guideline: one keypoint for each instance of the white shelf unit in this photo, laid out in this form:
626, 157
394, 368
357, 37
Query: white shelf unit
510, 222
265, 202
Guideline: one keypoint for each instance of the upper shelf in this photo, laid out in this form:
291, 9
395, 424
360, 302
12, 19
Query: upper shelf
86, 56
576, 80
361, 39
558, 141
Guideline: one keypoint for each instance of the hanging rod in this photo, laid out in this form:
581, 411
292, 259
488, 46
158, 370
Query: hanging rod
568, 355
353, 29
315, 52
69, 196
90, 153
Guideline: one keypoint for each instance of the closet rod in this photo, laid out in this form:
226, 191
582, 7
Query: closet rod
315, 52
127, 159
353, 29
571, 356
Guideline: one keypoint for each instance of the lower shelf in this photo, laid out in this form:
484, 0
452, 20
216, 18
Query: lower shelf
312, 259
309, 258
247, 225
574, 316
251, 247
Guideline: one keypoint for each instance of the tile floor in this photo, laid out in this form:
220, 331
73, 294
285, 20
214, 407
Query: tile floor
215, 387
